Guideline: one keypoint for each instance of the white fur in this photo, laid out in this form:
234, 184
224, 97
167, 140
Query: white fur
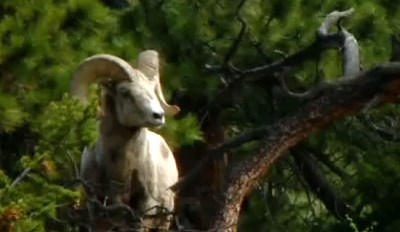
125, 146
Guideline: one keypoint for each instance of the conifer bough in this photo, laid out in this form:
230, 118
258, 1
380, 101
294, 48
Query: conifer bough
327, 102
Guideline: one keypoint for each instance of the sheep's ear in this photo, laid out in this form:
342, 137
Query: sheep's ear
109, 87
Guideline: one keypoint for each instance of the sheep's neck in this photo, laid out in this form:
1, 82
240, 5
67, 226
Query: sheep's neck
113, 133
119, 144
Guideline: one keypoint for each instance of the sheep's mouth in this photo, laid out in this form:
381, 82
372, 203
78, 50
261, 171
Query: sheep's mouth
156, 124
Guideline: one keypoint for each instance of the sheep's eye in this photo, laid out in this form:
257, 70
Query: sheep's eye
125, 94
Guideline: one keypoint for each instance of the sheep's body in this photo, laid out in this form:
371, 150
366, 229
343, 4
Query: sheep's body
129, 164
150, 169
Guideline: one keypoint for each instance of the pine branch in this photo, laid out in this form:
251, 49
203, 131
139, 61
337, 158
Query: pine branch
364, 81
342, 100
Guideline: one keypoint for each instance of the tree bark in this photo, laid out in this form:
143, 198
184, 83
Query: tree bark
347, 98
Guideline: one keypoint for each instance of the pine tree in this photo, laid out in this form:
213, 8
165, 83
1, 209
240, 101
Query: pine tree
43, 131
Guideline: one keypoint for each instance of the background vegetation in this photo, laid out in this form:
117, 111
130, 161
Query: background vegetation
43, 130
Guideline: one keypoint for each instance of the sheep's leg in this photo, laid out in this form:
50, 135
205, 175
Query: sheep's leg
117, 190
91, 216
155, 216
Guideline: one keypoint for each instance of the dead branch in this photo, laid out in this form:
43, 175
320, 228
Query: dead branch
333, 18
350, 54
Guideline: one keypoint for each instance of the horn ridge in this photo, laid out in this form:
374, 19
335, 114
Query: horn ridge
99, 67
148, 64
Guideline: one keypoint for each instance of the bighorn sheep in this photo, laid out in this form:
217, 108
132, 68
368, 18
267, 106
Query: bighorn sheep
129, 163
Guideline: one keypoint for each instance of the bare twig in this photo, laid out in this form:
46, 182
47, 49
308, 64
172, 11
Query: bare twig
21, 176
227, 65
24, 173
235, 45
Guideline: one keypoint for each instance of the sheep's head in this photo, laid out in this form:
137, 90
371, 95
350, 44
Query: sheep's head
136, 101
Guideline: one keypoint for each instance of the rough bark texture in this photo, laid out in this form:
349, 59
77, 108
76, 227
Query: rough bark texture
348, 97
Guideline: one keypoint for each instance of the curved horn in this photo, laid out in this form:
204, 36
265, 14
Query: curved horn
99, 67
148, 64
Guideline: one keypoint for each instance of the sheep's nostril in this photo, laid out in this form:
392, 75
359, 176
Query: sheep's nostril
158, 115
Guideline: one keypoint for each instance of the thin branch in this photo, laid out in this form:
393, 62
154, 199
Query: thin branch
24, 173
235, 45
309, 94
303, 184
227, 67
21, 176
319, 184
323, 158
257, 45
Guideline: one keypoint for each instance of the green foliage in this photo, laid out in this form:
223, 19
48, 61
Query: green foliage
177, 132
42, 42
37, 194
